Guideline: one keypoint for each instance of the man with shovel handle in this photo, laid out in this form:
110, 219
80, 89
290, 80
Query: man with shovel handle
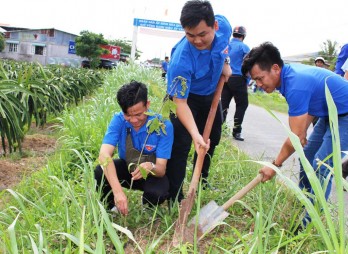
303, 87
197, 62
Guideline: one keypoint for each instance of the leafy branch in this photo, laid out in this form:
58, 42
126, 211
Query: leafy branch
157, 124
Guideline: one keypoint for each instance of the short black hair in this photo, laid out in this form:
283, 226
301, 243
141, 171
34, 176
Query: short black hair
264, 55
195, 11
130, 94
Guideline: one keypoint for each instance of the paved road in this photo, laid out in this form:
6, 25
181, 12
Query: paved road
264, 136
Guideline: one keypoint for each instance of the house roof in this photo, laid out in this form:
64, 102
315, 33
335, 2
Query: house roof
15, 29
11, 28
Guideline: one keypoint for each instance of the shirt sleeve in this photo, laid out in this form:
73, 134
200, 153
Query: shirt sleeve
165, 143
112, 135
179, 75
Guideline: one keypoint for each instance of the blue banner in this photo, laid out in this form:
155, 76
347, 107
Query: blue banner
71, 47
158, 24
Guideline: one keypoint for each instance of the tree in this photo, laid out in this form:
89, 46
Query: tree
88, 45
126, 46
328, 51
2, 42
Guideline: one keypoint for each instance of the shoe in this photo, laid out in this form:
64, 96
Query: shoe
345, 168
238, 136
298, 230
206, 186
114, 211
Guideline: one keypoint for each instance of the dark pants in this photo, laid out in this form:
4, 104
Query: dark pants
235, 87
176, 165
155, 188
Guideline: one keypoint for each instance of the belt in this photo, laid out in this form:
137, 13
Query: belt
342, 115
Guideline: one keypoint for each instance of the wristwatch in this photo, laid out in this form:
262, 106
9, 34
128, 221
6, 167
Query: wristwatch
277, 165
227, 60
153, 166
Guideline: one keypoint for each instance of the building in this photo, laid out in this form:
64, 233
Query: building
45, 46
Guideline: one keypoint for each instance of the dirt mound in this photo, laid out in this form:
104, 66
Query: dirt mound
35, 148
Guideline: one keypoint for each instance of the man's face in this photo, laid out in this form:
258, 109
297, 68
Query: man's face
202, 35
319, 63
136, 115
267, 80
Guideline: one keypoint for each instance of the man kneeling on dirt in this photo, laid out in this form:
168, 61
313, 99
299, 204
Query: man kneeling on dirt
129, 132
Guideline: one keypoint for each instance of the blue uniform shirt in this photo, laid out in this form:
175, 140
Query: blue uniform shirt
238, 50
342, 57
160, 144
165, 66
201, 69
303, 87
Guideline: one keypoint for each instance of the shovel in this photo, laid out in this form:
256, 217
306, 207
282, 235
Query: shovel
212, 215
186, 204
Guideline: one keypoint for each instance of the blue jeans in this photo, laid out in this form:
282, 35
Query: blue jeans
319, 146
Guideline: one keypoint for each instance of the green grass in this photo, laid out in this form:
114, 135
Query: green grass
274, 101
57, 209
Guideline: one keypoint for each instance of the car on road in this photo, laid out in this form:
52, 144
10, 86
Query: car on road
104, 63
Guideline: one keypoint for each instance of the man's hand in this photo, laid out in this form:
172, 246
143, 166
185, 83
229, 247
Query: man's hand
136, 174
121, 202
198, 142
268, 173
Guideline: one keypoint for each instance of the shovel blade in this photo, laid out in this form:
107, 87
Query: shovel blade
208, 218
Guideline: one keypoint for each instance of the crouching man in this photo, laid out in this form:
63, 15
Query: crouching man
129, 133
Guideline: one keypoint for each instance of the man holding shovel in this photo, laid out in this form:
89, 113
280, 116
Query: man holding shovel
197, 62
303, 87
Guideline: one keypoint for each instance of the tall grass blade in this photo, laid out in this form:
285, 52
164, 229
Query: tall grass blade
337, 165
82, 232
34, 247
12, 233
111, 232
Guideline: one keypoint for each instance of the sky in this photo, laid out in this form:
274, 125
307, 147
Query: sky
295, 27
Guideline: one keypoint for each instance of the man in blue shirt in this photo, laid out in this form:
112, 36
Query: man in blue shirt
342, 57
237, 84
140, 152
304, 90
164, 67
197, 62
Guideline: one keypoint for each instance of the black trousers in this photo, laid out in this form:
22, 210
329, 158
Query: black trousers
176, 165
155, 188
235, 87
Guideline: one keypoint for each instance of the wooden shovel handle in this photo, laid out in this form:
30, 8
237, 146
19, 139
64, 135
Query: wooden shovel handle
243, 191
213, 108
206, 134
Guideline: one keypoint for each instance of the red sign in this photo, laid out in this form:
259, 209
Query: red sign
114, 52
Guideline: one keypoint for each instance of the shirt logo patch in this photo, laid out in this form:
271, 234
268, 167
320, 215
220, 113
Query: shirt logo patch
149, 147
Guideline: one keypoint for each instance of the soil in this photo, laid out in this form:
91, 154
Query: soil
35, 148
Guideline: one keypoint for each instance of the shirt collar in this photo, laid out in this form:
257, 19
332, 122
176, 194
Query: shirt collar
285, 69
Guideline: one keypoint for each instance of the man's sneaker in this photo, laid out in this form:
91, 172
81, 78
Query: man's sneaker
238, 136
345, 167
206, 186
114, 211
